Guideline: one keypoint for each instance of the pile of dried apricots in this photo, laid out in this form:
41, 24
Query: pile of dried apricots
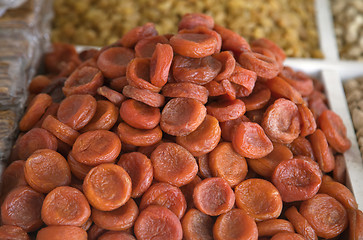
197, 135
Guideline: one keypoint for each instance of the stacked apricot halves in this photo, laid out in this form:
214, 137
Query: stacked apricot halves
197, 135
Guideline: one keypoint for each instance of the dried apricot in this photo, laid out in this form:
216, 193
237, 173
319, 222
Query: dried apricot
46, 169
259, 198
235, 224
173, 164
107, 187
213, 196
158, 222
281, 121
182, 116
204, 139
95, 147
65, 206
297, 179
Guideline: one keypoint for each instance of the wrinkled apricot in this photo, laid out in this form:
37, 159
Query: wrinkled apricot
10, 232
157, 222
297, 179
62, 232
77, 110
139, 115
107, 187
259, 198
204, 139
113, 96
281, 121
335, 132
197, 226
160, 64
22, 207
136, 34
143, 95
249, 140
146, 47
166, 195
235, 224
271, 227
182, 116
228, 65
226, 110
322, 152
186, 90
65, 206
173, 164
35, 111
299, 80
95, 147
61, 130
46, 169
35, 139
266, 165
138, 137
300, 223
140, 170
213, 196
195, 70
84, 80
263, 66
138, 74
104, 118
194, 45
119, 219
339, 192
280, 88
332, 218
113, 61
224, 162
192, 20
